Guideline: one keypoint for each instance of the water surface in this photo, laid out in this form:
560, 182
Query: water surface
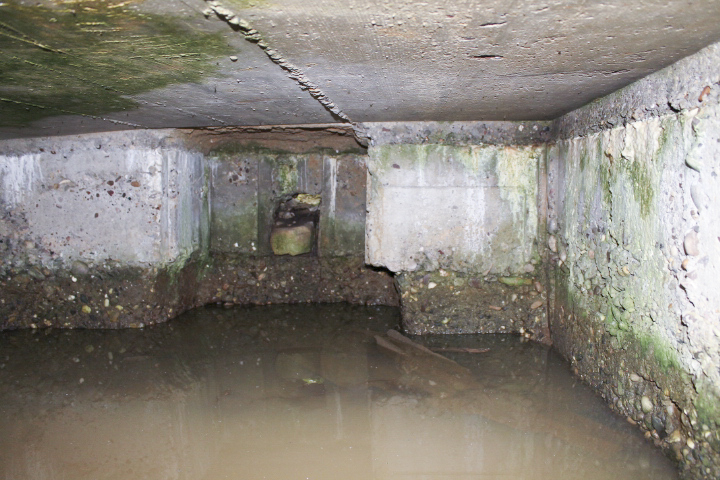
301, 392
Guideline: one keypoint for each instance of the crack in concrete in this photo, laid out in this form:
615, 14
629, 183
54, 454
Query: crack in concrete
69, 112
58, 72
21, 37
182, 110
487, 56
240, 25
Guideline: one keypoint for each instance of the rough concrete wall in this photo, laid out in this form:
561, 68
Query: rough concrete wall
185, 221
130, 197
90, 225
248, 185
635, 251
459, 225
343, 211
466, 208
132, 228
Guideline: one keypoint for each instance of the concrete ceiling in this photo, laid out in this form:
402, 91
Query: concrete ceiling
71, 66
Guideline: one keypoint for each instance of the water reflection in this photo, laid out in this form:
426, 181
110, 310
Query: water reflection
300, 392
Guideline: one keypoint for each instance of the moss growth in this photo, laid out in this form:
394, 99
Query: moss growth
663, 140
606, 179
665, 356
285, 174
613, 172
655, 348
229, 149
707, 406
88, 59
385, 156
584, 160
307, 199
642, 184
293, 240
174, 269
652, 347
341, 237
234, 227
205, 215
620, 323
515, 281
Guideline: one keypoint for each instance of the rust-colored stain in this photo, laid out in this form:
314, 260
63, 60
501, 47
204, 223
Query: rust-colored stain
704, 93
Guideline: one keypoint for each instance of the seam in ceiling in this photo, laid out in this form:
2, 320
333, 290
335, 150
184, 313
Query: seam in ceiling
251, 35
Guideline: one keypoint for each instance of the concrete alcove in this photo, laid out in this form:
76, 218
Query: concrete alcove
548, 169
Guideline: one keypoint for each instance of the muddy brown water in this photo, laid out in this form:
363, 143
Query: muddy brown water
301, 392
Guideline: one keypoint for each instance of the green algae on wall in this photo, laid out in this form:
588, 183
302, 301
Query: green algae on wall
86, 57
234, 202
649, 350
459, 224
464, 208
622, 310
250, 183
285, 176
707, 405
341, 237
235, 229
517, 170
610, 235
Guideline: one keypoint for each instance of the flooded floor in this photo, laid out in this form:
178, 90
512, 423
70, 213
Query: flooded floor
302, 392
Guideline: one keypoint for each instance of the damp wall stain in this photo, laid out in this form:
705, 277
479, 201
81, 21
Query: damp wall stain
635, 263
86, 58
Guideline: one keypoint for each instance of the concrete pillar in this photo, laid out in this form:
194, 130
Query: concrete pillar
459, 225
